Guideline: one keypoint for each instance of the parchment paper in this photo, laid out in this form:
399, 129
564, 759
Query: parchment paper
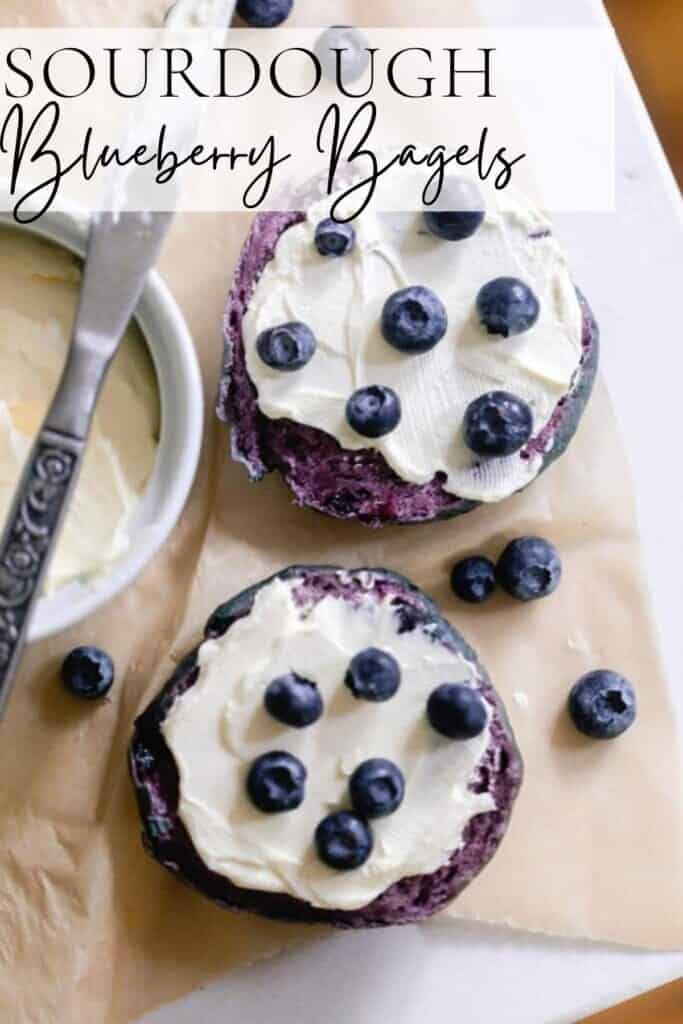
92, 931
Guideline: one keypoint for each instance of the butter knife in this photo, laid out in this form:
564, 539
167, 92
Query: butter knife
122, 249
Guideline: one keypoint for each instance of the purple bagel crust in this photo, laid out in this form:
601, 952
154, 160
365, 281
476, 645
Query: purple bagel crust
323, 475
155, 776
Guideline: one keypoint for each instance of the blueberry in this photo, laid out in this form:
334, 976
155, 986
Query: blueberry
454, 226
414, 320
287, 347
373, 411
507, 306
264, 13
344, 841
333, 239
354, 59
466, 215
293, 700
497, 423
376, 788
276, 782
473, 579
88, 672
457, 711
373, 675
529, 568
602, 705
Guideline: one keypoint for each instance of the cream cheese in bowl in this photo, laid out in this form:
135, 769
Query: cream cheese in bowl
39, 287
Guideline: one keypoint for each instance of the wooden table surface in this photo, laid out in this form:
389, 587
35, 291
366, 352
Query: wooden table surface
665, 1006
651, 34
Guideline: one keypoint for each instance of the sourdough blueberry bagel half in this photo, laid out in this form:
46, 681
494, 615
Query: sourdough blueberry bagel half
332, 752
405, 367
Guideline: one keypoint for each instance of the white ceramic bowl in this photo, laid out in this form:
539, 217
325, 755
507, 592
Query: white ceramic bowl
182, 412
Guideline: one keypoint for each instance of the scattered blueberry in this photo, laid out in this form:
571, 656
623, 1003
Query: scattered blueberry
354, 59
497, 423
373, 411
264, 13
467, 213
473, 579
276, 782
293, 700
602, 705
344, 841
529, 568
377, 788
287, 347
414, 319
373, 675
457, 711
507, 306
333, 239
88, 672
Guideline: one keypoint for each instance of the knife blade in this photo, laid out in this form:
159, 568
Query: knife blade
122, 249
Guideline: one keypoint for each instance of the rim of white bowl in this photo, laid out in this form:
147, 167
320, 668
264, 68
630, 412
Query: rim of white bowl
181, 397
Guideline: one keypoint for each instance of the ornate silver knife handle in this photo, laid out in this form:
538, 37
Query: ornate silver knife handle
29, 539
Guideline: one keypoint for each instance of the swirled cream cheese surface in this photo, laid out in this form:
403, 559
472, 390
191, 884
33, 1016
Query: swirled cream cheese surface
219, 726
341, 301
39, 285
